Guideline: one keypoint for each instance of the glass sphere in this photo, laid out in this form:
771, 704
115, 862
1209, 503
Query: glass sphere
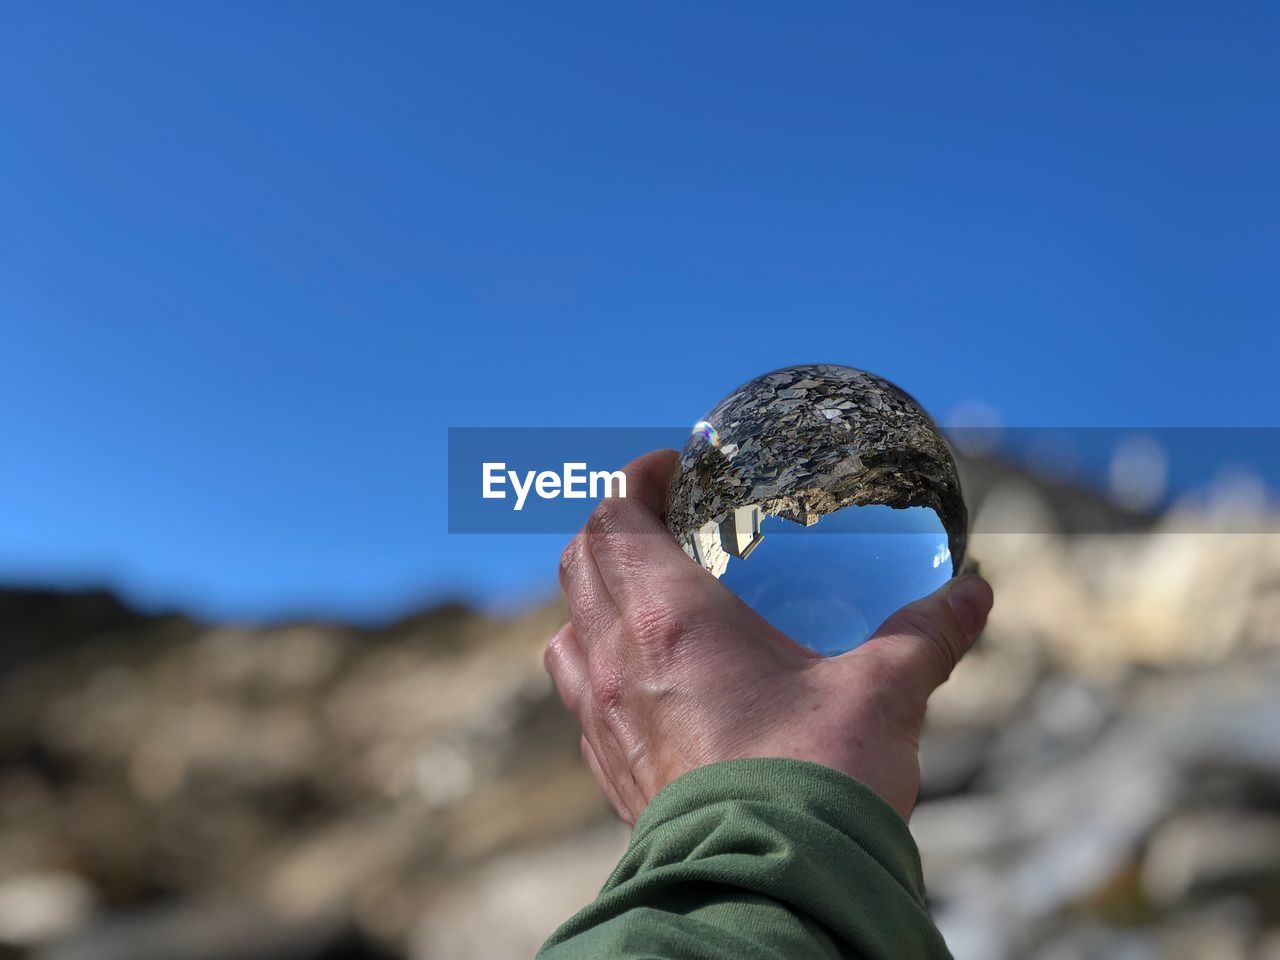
825, 497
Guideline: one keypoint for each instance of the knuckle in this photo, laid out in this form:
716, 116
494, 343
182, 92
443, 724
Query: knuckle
606, 690
608, 525
606, 516
660, 626
553, 652
569, 560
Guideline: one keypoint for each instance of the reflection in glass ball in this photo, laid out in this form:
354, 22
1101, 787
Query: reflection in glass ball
825, 497
830, 585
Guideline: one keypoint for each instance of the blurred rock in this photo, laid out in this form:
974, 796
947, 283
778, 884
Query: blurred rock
288, 775
952, 759
1061, 719
509, 907
36, 908
212, 931
1100, 777
1196, 854
1003, 866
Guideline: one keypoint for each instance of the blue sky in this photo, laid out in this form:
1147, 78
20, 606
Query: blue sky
256, 258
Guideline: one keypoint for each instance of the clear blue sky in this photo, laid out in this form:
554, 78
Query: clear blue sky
255, 258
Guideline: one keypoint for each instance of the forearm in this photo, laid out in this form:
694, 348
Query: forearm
760, 858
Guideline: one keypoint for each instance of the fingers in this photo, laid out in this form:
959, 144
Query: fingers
926, 639
648, 478
591, 606
624, 548
607, 787
567, 665
623, 531
632, 547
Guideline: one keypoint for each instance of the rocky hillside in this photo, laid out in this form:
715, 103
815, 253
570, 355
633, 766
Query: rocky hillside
1102, 775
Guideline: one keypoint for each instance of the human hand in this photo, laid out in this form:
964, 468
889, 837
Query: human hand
667, 670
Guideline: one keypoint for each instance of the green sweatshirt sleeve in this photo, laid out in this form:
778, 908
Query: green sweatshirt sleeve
769, 859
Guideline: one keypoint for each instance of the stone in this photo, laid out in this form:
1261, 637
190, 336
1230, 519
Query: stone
1210, 853
902, 458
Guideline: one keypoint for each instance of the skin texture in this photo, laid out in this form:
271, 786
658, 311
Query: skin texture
667, 670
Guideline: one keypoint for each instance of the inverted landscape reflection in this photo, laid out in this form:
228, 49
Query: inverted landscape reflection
831, 585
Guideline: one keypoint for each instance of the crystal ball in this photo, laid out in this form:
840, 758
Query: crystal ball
825, 497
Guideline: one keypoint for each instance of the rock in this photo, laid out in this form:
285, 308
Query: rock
505, 909
1268, 946
1101, 774
951, 759
1197, 854
36, 908
1224, 930
1090, 942
1002, 867
1062, 718
902, 459
215, 931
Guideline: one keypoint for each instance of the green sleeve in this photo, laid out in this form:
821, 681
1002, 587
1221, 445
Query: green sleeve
760, 859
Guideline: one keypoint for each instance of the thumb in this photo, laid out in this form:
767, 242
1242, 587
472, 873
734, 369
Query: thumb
926, 639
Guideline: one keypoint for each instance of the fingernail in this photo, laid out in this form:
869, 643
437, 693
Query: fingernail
970, 598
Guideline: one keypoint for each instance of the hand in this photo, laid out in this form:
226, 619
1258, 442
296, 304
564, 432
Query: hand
667, 670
